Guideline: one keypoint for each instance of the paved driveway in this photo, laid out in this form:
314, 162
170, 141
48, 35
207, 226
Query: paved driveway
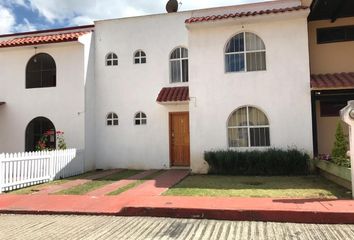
103, 227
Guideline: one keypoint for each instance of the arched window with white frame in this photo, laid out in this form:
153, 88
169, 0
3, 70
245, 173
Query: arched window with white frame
139, 57
179, 65
111, 59
112, 119
245, 52
248, 127
140, 118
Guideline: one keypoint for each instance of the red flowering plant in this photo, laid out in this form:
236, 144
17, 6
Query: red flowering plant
43, 143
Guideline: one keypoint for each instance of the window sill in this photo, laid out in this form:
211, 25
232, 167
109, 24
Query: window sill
259, 71
182, 84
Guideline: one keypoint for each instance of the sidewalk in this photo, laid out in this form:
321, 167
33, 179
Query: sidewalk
145, 200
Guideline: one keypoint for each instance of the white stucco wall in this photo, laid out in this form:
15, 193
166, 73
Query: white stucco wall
89, 112
87, 89
128, 88
60, 104
282, 91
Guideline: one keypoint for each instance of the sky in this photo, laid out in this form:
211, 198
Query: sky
31, 15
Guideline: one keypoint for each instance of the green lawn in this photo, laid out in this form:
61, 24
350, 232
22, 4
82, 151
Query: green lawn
277, 187
36, 188
136, 183
95, 184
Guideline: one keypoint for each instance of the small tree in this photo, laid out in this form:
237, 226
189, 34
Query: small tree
340, 148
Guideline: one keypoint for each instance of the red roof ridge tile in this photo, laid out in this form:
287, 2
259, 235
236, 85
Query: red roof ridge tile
244, 14
54, 30
54, 37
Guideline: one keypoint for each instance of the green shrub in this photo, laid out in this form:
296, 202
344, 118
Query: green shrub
340, 148
271, 162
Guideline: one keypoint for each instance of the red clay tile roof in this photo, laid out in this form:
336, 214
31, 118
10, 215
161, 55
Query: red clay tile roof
43, 39
173, 94
243, 14
334, 80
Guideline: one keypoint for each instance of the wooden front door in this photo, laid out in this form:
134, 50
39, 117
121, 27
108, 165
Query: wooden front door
179, 139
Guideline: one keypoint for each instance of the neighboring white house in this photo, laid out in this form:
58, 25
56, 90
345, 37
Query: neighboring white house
44, 79
157, 91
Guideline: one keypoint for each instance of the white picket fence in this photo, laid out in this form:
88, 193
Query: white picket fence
19, 170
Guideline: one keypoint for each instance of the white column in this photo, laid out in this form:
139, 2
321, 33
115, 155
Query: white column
347, 115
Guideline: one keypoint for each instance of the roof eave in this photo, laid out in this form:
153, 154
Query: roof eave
40, 43
55, 30
330, 88
173, 102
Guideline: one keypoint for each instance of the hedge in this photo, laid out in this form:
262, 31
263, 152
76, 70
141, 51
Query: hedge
271, 162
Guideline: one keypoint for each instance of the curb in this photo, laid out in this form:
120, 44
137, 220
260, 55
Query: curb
244, 215
309, 217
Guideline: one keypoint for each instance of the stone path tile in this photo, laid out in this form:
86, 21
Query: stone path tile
60, 187
118, 184
158, 185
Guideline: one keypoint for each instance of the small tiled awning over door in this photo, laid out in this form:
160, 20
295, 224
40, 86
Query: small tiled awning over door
332, 81
173, 95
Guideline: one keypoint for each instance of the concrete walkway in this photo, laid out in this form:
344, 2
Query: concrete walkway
145, 200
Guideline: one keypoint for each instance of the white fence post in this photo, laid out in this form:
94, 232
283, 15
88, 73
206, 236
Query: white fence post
51, 166
2, 158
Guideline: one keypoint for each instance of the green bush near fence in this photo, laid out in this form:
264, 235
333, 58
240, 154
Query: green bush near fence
271, 162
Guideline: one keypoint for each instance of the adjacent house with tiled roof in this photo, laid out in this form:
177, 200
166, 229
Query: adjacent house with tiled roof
331, 49
157, 91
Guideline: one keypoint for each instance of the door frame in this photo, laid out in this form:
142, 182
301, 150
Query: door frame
170, 135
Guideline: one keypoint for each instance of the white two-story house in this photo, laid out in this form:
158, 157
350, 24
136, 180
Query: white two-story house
157, 91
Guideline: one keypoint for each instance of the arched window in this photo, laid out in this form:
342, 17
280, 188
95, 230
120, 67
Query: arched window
140, 118
112, 119
139, 57
179, 65
111, 59
248, 127
41, 71
36, 129
245, 52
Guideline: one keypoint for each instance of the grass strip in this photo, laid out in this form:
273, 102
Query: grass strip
126, 188
95, 184
136, 183
273, 187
